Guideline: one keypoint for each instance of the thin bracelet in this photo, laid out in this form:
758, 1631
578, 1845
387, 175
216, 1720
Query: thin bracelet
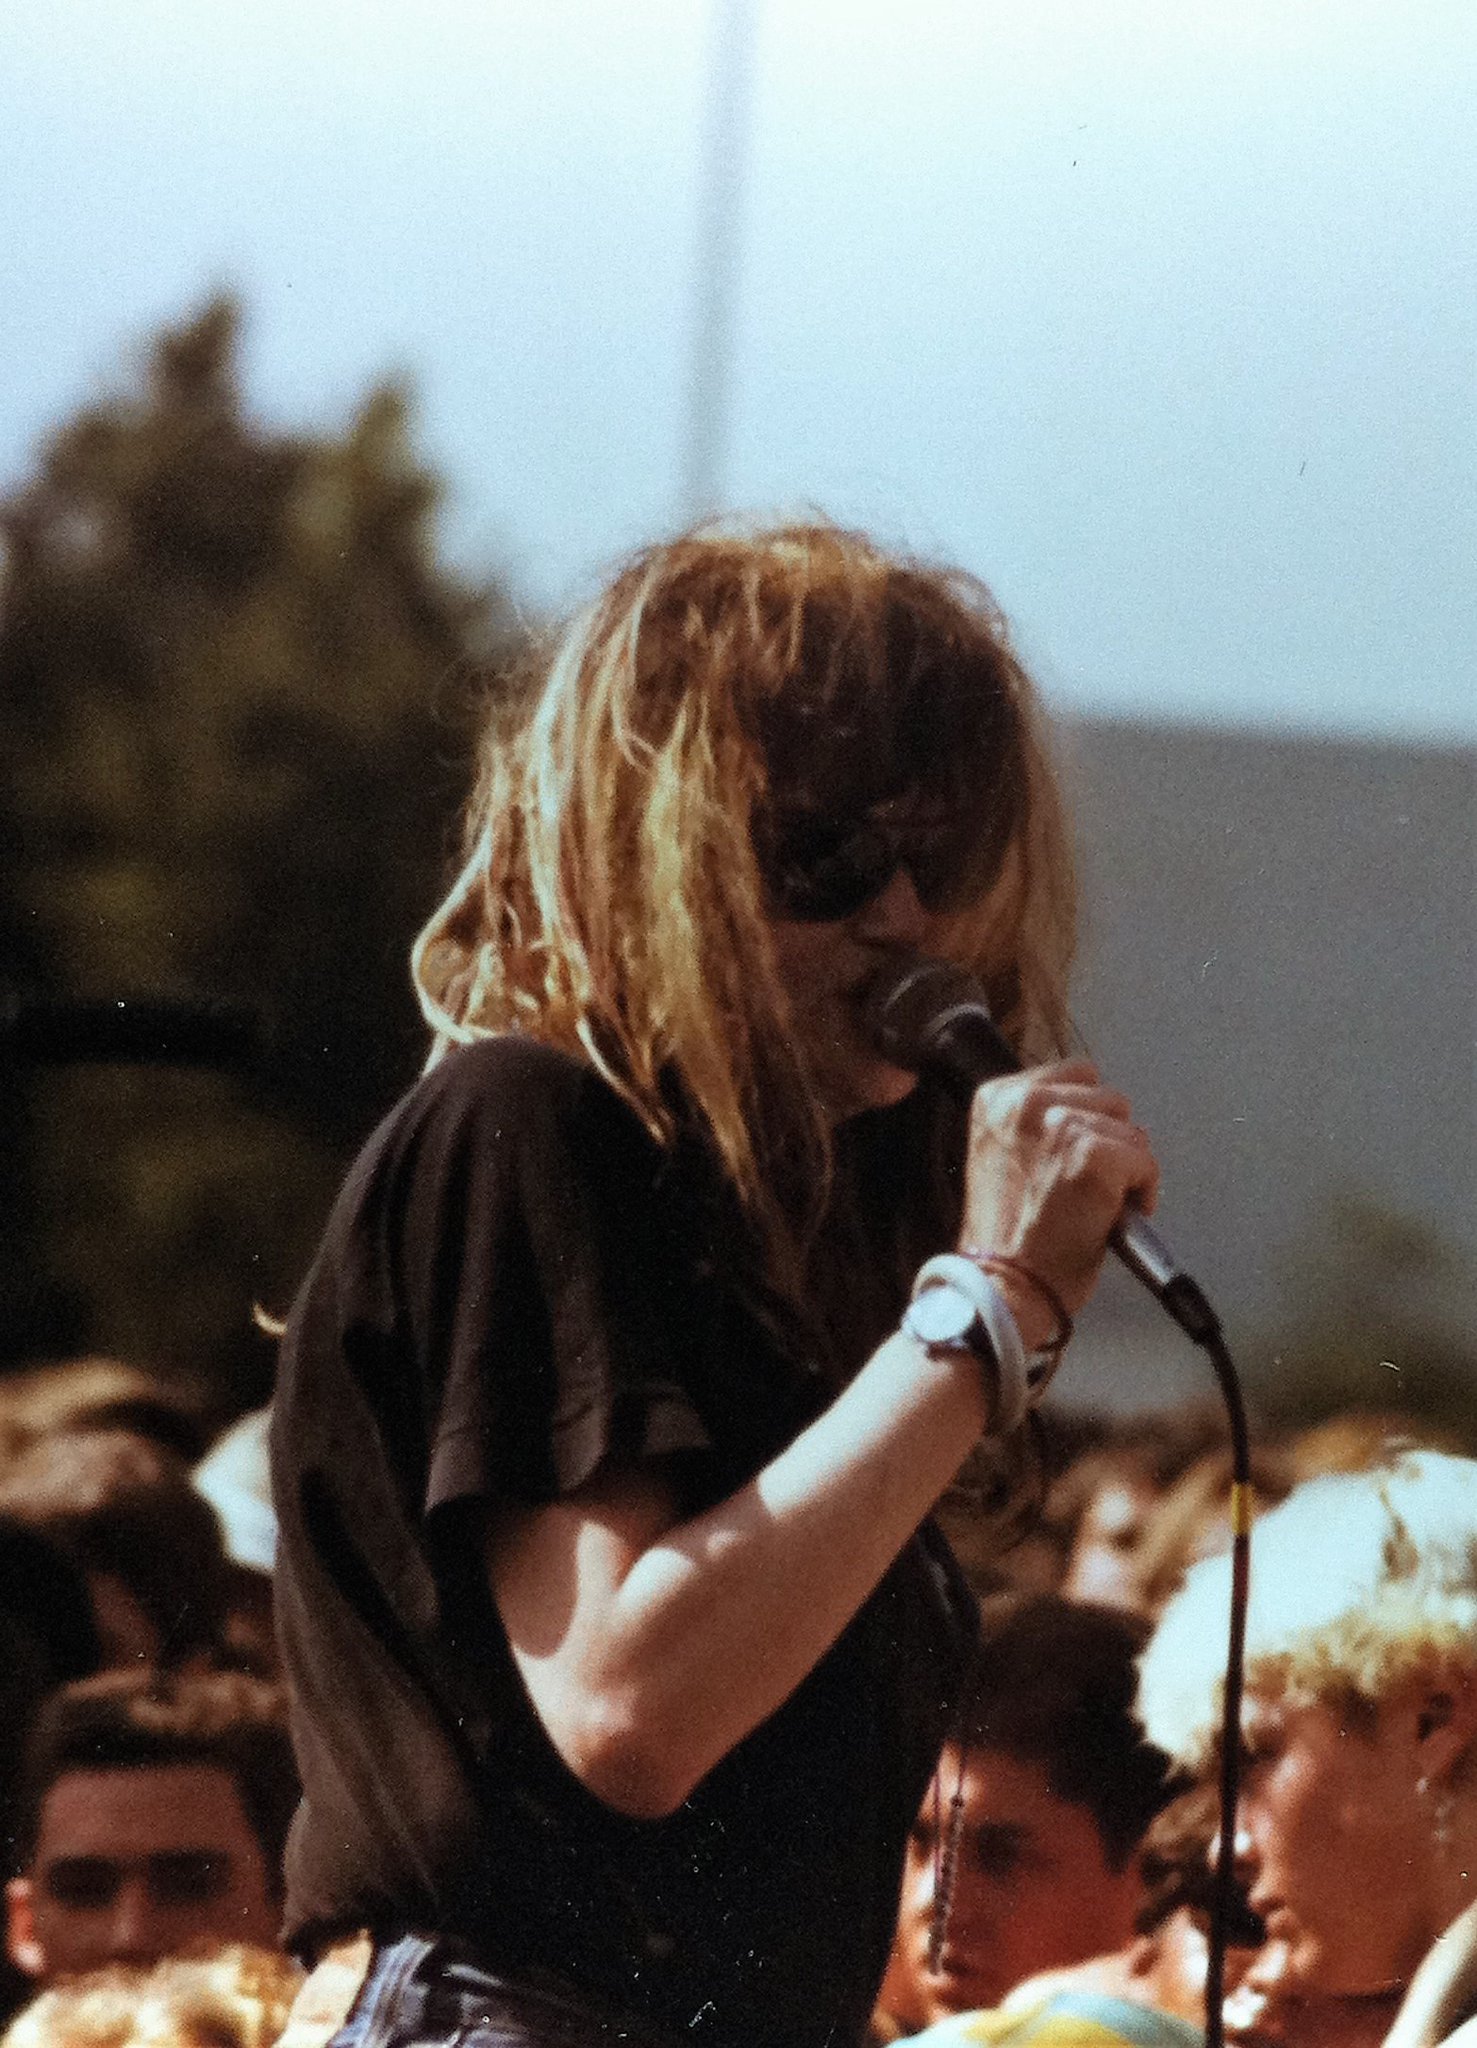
997, 1262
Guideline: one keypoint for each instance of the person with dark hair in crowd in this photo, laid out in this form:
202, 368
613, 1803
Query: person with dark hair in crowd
155, 1810
606, 1432
1150, 1993
123, 1510
98, 1393
1024, 1855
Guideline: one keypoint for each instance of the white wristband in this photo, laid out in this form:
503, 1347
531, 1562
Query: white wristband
1016, 1391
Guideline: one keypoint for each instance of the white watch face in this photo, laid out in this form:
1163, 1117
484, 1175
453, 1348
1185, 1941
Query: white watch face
942, 1315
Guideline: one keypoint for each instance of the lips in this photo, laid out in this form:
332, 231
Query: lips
960, 1985
950, 1965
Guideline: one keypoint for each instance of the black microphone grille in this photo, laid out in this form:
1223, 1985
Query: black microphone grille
906, 1003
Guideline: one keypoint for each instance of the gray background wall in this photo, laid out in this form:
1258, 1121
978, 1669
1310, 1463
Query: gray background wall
1278, 964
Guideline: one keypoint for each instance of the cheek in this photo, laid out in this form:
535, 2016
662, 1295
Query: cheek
917, 1895
1028, 1923
1308, 1819
1335, 1855
1293, 1802
809, 960
1037, 1925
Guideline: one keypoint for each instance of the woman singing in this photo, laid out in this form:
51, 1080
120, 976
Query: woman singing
607, 1434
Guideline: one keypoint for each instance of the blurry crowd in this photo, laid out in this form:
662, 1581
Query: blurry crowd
146, 1778
1058, 1874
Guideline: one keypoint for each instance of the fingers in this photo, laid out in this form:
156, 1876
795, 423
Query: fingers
1055, 1160
1029, 1096
1063, 1121
1092, 1147
1127, 1157
1059, 1073
1057, 1108
1078, 1068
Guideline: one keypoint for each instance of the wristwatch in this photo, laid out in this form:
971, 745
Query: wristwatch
942, 1317
957, 1306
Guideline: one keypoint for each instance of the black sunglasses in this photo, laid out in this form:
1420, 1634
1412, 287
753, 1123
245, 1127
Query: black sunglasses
821, 870
174, 1877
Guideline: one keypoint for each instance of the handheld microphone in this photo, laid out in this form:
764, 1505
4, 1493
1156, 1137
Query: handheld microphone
928, 1015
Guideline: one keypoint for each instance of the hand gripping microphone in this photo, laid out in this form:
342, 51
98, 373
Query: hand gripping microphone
928, 1015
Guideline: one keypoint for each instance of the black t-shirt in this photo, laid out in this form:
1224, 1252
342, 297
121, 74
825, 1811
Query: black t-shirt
516, 1283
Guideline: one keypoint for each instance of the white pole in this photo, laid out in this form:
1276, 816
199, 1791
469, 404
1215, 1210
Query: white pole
710, 392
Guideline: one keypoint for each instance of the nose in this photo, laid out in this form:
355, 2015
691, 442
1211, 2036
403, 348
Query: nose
918, 1882
1243, 1850
895, 917
133, 1933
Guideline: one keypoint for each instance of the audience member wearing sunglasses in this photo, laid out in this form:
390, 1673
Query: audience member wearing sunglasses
607, 1431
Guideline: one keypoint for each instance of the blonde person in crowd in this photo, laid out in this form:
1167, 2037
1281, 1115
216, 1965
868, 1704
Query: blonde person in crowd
1357, 1829
234, 1478
236, 1997
606, 1432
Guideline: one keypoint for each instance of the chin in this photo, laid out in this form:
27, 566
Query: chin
950, 1993
1309, 1972
874, 1086
893, 1084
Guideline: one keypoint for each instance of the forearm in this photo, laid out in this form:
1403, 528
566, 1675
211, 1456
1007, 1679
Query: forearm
731, 1610
711, 1623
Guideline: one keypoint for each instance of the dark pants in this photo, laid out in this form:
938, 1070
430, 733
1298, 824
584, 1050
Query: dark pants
421, 1993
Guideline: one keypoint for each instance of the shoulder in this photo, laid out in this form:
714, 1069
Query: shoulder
502, 1143
1064, 2020
509, 1121
508, 1067
514, 1087
485, 1120
969, 2030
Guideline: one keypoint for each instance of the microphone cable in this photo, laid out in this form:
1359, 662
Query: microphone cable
1243, 1508
928, 1015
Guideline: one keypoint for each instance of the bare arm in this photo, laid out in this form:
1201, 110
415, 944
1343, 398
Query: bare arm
650, 1645
668, 1641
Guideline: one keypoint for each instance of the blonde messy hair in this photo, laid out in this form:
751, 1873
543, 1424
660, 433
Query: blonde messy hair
611, 901
1360, 1581
236, 1997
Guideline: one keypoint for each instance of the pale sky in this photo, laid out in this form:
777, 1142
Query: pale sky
1160, 316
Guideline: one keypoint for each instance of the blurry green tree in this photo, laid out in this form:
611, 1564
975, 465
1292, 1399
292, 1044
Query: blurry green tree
236, 682
1381, 1322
